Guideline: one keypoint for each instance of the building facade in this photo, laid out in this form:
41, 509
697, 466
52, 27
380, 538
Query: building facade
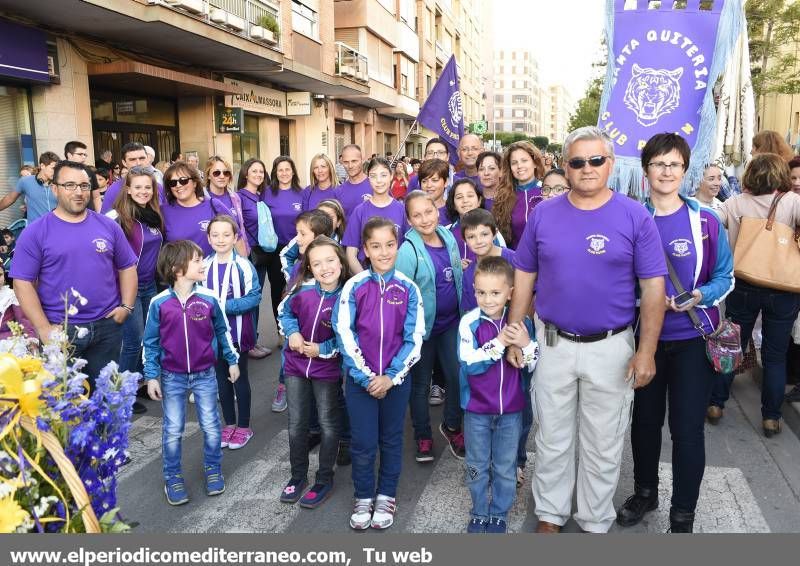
561, 106
516, 102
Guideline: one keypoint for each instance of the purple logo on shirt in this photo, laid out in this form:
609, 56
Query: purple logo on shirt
597, 244
297, 205
197, 310
204, 225
101, 245
395, 294
680, 248
326, 322
448, 274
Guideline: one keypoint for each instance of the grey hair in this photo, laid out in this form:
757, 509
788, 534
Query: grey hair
588, 133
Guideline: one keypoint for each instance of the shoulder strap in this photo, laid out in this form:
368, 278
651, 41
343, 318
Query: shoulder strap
676, 282
773, 210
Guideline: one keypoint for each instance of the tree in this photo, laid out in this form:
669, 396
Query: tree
554, 148
774, 30
588, 109
540, 142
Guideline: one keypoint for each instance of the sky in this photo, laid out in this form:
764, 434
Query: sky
564, 35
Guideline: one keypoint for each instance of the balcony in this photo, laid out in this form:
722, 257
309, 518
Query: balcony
442, 55
351, 64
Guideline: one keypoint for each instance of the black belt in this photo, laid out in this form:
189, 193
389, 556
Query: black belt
586, 338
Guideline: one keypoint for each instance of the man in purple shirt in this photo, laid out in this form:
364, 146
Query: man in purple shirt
470, 147
356, 189
585, 252
81, 256
133, 154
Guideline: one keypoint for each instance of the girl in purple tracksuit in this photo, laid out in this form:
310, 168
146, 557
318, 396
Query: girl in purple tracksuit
379, 324
234, 281
312, 367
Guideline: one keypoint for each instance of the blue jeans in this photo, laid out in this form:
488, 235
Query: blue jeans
442, 347
491, 460
376, 424
175, 388
684, 378
130, 358
301, 395
778, 312
100, 345
525, 429
344, 420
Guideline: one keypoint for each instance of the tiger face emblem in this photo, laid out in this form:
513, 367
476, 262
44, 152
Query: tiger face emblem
652, 93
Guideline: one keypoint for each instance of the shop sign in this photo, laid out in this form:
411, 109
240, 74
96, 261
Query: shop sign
230, 120
298, 104
23, 52
258, 99
348, 114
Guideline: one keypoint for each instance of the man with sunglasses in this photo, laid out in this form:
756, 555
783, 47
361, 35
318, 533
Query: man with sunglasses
133, 155
76, 254
586, 252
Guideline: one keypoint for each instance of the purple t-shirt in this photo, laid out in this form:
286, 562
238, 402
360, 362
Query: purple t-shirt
462, 175
366, 210
113, 190
223, 204
587, 272
488, 203
315, 195
446, 294
151, 246
676, 236
444, 220
284, 206
60, 256
468, 300
351, 195
528, 196
191, 222
250, 214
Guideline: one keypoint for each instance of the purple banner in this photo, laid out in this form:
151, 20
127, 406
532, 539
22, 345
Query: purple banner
662, 60
442, 111
23, 52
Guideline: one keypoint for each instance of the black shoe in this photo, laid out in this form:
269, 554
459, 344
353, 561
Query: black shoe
680, 521
138, 408
343, 457
794, 395
632, 511
314, 438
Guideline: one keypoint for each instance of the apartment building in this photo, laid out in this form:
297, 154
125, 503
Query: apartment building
295, 77
517, 104
561, 105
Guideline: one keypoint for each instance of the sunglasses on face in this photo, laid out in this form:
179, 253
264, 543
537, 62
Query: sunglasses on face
219, 172
593, 161
172, 183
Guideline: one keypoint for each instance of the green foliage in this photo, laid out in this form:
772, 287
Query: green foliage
554, 148
774, 30
269, 22
588, 109
506, 138
540, 142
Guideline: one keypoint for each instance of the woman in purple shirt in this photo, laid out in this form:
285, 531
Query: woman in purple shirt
322, 175
250, 187
518, 192
218, 180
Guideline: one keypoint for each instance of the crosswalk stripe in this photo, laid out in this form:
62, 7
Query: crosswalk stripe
144, 443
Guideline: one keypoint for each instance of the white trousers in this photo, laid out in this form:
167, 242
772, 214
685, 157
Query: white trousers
581, 394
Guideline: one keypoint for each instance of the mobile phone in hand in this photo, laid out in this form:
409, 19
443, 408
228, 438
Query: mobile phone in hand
684, 299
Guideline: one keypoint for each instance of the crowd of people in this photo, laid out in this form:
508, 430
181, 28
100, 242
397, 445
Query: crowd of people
507, 289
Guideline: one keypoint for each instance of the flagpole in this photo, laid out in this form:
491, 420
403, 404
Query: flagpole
403, 143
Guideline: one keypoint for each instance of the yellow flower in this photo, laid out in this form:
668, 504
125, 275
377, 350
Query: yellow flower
29, 364
25, 391
11, 514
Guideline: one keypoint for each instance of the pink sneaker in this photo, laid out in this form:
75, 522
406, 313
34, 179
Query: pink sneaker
227, 433
240, 437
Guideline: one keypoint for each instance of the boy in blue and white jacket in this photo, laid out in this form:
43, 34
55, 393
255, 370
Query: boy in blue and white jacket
492, 395
185, 329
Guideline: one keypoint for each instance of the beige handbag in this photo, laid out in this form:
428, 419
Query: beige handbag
767, 253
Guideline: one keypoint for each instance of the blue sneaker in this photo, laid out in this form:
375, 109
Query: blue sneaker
293, 490
496, 526
316, 496
175, 490
215, 481
476, 526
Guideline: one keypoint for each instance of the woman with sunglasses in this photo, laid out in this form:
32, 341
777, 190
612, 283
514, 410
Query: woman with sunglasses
250, 187
189, 210
218, 179
519, 189
285, 200
554, 183
322, 175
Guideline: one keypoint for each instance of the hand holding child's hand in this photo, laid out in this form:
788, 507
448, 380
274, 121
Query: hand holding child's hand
311, 349
154, 389
296, 342
233, 373
517, 334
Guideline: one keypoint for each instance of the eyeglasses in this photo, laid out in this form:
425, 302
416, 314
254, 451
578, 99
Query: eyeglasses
439, 153
71, 187
219, 172
555, 190
593, 161
661, 166
172, 183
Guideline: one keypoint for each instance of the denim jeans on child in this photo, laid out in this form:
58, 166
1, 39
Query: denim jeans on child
132, 329
175, 388
301, 392
442, 347
491, 443
376, 424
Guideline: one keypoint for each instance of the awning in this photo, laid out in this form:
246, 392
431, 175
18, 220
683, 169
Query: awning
135, 76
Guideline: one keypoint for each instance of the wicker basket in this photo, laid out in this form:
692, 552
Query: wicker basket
73, 481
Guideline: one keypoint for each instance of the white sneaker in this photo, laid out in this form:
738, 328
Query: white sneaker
383, 517
362, 514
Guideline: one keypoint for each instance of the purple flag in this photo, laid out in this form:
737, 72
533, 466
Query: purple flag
442, 111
